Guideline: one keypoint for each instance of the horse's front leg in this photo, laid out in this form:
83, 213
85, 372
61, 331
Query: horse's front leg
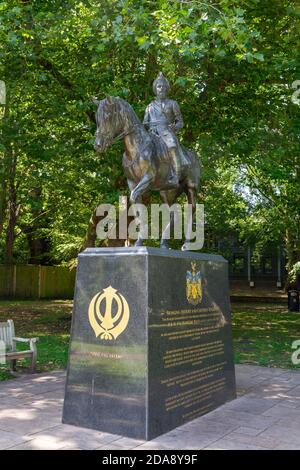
137, 197
169, 197
141, 187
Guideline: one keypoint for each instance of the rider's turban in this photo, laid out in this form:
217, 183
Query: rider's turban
161, 78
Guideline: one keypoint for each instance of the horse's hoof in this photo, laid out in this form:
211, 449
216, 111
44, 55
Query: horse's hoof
132, 198
139, 243
184, 247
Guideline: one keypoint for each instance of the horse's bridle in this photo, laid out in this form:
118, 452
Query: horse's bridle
120, 136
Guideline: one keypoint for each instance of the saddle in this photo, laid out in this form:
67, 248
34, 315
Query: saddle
162, 152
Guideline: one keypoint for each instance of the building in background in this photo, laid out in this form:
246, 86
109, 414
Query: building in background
249, 265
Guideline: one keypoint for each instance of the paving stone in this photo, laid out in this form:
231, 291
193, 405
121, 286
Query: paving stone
150, 445
177, 432
269, 373
282, 433
15, 394
246, 384
280, 411
219, 421
30, 391
251, 405
295, 392
288, 379
71, 447
292, 424
82, 438
259, 371
8, 402
285, 446
46, 404
9, 439
270, 390
191, 441
218, 429
253, 421
249, 369
247, 431
127, 443
12, 415
290, 403
267, 443
26, 399
28, 411
44, 443
112, 447
226, 444
36, 381
266, 416
25, 421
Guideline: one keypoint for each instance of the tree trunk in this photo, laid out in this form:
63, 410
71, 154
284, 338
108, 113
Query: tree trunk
38, 241
3, 171
38, 249
12, 211
3, 203
293, 254
91, 234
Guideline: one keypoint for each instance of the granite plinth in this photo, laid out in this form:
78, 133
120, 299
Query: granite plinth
151, 344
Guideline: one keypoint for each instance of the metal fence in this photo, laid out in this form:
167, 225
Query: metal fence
36, 282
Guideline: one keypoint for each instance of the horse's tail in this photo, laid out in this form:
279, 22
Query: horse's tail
194, 169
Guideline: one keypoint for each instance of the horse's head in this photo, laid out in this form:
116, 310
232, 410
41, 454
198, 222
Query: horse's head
109, 124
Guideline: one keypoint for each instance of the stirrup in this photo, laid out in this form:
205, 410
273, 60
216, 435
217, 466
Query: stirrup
173, 183
174, 176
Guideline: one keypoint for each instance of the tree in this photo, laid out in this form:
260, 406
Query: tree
231, 68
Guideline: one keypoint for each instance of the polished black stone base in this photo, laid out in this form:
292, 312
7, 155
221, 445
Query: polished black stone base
151, 344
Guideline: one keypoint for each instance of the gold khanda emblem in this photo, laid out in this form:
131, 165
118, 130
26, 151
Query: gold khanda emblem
193, 285
108, 313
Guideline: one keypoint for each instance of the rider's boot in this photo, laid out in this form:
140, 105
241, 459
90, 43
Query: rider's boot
175, 174
173, 180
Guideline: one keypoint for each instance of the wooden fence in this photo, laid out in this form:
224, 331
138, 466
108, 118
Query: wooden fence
36, 282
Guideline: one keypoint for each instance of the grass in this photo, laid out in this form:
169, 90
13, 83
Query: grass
262, 332
50, 321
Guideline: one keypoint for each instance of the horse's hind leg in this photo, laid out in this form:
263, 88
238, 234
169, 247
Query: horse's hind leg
191, 195
169, 197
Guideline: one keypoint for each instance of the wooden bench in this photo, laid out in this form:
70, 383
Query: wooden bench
7, 335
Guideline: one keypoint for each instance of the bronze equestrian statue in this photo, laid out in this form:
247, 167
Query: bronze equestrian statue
153, 157
163, 118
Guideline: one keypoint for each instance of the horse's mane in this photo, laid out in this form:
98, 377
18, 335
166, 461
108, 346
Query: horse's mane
119, 105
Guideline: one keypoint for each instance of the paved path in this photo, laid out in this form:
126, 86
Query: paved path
265, 416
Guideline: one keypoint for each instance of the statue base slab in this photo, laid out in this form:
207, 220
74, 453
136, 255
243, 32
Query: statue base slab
151, 344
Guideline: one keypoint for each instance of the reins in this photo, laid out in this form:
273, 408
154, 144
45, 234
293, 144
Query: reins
123, 134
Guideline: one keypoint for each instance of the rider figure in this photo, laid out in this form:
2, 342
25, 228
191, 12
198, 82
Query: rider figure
163, 118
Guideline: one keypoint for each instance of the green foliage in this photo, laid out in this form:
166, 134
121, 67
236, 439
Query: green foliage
295, 271
231, 63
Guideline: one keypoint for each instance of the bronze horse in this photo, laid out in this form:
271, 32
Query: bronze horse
145, 160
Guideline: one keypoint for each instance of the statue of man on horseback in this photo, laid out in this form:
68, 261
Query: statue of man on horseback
163, 118
153, 157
